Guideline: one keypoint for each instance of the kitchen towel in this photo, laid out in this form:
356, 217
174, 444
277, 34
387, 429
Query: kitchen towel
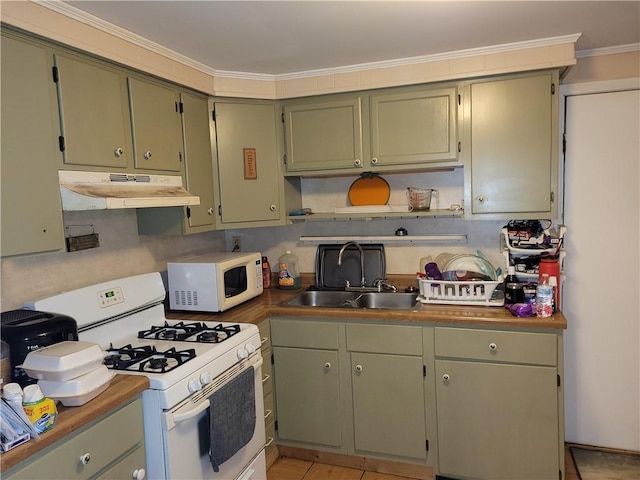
232, 417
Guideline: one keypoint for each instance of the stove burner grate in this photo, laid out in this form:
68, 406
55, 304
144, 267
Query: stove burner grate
146, 358
198, 332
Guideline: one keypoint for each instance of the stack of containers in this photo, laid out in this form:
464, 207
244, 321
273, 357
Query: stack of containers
71, 372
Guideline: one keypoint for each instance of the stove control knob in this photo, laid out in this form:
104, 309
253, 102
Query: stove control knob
250, 348
194, 385
242, 353
205, 378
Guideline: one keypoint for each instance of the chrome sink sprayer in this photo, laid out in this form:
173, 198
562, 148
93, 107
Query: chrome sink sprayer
341, 252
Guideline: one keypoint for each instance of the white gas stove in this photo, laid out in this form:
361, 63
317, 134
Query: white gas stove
186, 363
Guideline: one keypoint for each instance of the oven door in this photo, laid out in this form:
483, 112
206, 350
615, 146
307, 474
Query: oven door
187, 436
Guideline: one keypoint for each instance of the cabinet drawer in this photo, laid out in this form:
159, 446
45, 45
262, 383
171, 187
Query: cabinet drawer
394, 339
494, 345
270, 432
267, 374
269, 408
304, 334
265, 336
99, 441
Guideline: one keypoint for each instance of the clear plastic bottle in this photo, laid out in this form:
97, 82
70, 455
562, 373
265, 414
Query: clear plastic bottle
288, 273
266, 273
544, 298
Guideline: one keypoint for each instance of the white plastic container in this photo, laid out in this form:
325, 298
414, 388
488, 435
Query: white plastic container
63, 361
79, 390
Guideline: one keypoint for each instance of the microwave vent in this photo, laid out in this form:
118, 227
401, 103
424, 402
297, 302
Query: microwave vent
124, 177
186, 298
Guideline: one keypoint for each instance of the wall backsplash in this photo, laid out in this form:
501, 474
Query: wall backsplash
122, 252
324, 194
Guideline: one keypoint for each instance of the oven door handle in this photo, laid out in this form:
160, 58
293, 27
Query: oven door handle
171, 419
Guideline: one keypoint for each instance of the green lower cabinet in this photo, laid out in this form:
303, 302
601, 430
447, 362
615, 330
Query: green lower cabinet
388, 405
498, 404
308, 395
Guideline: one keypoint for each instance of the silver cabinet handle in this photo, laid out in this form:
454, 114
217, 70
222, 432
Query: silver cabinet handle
269, 442
358, 368
493, 346
264, 340
273, 208
481, 199
357, 162
118, 152
446, 377
374, 161
266, 378
267, 414
147, 155
85, 459
327, 366
210, 211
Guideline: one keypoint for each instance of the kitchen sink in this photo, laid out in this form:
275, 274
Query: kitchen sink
344, 299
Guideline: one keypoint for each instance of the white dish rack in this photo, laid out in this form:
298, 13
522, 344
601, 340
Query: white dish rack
478, 293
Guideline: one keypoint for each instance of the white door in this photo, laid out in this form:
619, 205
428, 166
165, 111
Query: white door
601, 297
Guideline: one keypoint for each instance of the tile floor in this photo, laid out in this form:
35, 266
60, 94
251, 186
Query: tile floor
294, 469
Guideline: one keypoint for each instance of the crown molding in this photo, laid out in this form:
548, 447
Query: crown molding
100, 24
631, 47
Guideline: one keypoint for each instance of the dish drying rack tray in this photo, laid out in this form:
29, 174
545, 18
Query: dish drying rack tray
475, 293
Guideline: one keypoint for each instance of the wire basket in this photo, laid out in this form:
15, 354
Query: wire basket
460, 293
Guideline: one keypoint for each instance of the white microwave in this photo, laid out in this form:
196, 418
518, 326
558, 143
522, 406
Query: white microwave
214, 282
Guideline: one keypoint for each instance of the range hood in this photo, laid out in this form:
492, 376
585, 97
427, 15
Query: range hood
104, 190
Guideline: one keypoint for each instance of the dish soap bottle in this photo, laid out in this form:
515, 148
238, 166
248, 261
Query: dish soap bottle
288, 275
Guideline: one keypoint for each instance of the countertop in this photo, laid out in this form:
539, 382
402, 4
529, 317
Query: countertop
122, 389
125, 387
270, 304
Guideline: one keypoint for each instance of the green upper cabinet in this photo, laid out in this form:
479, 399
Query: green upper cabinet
251, 189
199, 178
414, 127
198, 160
156, 122
512, 146
406, 128
324, 135
31, 211
94, 114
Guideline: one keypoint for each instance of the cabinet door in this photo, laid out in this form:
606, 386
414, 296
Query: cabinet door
513, 148
388, 404
497, 421
31, 210
324, 136
103, 441
308, 395
157, 132
414, 127
94, 113
198, 161
249, 176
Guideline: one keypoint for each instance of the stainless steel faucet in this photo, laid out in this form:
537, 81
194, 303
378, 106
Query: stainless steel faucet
341, 252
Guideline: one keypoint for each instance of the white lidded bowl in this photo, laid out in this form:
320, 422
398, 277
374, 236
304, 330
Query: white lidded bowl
79, 390
63, 361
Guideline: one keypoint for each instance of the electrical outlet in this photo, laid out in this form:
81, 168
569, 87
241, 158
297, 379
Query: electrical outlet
236, 245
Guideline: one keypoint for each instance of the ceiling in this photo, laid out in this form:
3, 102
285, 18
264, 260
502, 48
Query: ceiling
286, 37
